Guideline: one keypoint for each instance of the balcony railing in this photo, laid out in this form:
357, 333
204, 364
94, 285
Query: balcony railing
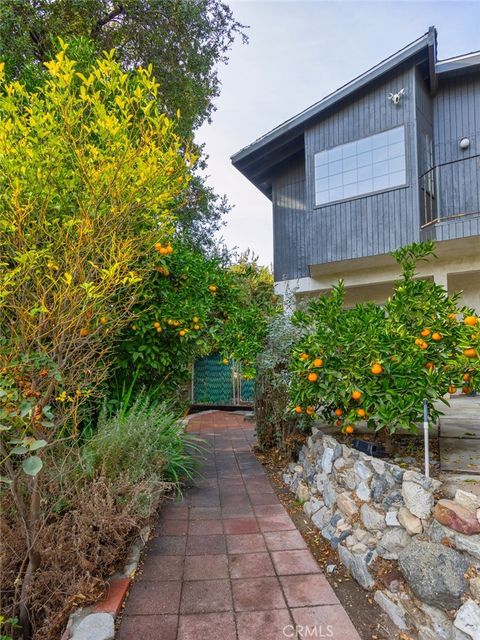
450, 190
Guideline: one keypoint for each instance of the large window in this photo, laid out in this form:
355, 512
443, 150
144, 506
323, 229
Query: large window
371, 164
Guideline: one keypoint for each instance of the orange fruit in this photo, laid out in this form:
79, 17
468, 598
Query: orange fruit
304, 356
452, 316
338, 412
83, 332
361, 412
310, 411
212, 288
182, 332
156, 325
103, 320
196, 327
134, 327
169, 249
376, 369
470, 353
430, 366
196, 319
423, 345
436, 336
466, 377
298, 409
338, 423
467, 390
356, 395
471, 321
349, 428
163, 251
425, 332
225, 361
419, 342
318, 362
452, 389
312, 377
158, 246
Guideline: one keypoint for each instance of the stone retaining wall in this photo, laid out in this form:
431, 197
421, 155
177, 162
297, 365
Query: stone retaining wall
420, 556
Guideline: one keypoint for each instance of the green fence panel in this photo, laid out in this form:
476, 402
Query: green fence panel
212, 382
247, 393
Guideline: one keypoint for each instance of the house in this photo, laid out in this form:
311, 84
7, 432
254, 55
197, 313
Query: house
392, 157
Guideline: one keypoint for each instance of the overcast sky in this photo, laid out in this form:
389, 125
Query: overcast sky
298, 53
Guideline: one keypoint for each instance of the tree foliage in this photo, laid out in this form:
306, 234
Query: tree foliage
183, 40
91, 174
193, 305
378, 363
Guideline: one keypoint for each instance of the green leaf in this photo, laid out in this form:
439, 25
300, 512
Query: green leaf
32, 465
38, 444
20, 450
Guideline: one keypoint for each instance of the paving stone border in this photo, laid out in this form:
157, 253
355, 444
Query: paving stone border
419, 555
97, 622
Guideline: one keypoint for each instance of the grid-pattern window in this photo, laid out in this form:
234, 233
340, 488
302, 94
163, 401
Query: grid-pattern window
371, 164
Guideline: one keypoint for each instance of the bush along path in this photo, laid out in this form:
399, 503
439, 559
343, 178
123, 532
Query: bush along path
227, 561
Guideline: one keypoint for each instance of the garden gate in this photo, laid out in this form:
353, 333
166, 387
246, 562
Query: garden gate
215, 383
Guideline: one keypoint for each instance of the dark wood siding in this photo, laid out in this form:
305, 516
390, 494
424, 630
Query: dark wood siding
290, 258
371, 225
457, 115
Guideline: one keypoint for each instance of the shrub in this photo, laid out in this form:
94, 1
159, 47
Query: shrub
274, 423
380, 362
91, 173
95, 499
145, 441
193, 305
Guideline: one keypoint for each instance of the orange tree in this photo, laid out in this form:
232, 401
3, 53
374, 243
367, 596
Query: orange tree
192, 305
90, 175
378, 363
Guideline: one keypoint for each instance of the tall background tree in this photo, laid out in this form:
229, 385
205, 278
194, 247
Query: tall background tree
183, 40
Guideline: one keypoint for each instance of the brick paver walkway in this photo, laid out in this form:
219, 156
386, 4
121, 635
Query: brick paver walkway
227, 563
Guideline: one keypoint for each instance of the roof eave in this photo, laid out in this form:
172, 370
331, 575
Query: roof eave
428, 41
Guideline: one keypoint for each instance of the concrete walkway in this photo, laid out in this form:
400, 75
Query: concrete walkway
227, 563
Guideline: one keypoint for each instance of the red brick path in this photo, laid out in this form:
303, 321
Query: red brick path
227, 563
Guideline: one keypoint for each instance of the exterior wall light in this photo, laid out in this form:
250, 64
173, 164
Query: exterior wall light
464, 143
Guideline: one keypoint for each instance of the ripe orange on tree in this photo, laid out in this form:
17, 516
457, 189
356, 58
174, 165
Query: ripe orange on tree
376, 369
425, 332
196, 319
361, 413
466, 377
182, 332
312, 377
318, 362
212, 288
196, 327
310, 411
225, 361
430, 366
83, 332
298, 409
470, 321
349, 428
356, 395
338, 423
452, 389
467, 390
437, 336
338, 412
470, 353
304, 356
103, 320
